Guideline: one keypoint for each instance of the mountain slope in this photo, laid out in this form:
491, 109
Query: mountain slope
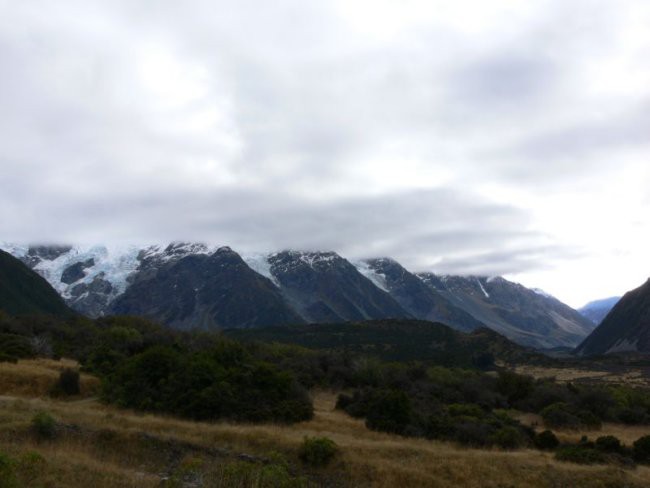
22, 291
421, 301
324, 287
522, 315
208, 291
597, 310
626, 327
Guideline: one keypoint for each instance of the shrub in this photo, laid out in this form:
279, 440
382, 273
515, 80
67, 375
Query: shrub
608, 443
44, 425
390, 411
580, 455
317, 451
475, 434
641, 449
546, 440
465, 410
508, 438
68, 383
589, 420
560, 416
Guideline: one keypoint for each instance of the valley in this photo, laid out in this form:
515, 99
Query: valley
102, 446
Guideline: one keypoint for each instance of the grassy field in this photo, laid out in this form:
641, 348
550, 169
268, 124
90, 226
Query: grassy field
629, 376
102, 446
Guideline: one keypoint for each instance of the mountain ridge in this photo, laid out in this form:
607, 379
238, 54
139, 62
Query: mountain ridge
291, 287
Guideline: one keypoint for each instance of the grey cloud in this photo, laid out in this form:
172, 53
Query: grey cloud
89, 153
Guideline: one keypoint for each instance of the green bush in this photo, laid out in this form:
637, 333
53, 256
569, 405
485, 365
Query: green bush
466, 410
508, 438
560, 416
67, 384
580, 455
546, 440
641, 449
44, 425
389, 411
608, 443
317, 451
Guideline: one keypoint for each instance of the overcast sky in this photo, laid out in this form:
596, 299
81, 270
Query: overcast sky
501, 137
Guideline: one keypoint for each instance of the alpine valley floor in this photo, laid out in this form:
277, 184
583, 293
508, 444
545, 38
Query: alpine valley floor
103, 446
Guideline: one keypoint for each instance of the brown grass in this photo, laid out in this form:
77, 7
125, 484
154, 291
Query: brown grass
36, 377
367, 458
631, 377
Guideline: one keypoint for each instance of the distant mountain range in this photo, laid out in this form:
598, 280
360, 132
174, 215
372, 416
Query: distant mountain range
626, 328
597, 310
193, 285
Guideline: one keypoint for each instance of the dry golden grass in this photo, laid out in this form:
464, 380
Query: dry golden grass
633, 377
36, 377
367, 458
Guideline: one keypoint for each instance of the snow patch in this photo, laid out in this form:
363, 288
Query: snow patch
259, 262
487, 295
542, 293
378, 279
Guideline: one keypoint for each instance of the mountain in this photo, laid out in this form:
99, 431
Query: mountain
324, 287
191, 284
523, 315
625, 329
22, 291
400, 340
597, 310
418, 299
204, 290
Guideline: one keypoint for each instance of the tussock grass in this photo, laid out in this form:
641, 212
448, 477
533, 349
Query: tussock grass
107, 449
36, 377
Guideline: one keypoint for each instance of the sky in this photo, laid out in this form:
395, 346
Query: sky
463, 137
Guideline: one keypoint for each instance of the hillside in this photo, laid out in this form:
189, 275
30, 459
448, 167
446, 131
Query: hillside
400, 340
22, 291
625, 329
523, 315
597, 310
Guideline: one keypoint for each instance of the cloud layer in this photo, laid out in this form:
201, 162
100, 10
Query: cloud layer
464, 137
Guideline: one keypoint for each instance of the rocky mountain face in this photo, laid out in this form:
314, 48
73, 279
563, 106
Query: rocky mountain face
204, 290
22, 291
625, 329
324, 287
597, 310
415, 296
525, 316
194, 285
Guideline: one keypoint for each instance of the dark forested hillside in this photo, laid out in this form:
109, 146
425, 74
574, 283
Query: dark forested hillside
400, 340
625, 329
23, 291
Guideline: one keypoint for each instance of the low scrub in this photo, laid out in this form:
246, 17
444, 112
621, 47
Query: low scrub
317, 451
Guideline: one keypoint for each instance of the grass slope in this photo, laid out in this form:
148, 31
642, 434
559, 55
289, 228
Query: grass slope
104, 447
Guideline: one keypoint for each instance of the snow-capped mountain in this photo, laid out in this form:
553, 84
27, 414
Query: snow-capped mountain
415, 296
196, 285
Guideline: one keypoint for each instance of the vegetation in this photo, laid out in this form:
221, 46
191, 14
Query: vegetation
317, 451
207, 377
